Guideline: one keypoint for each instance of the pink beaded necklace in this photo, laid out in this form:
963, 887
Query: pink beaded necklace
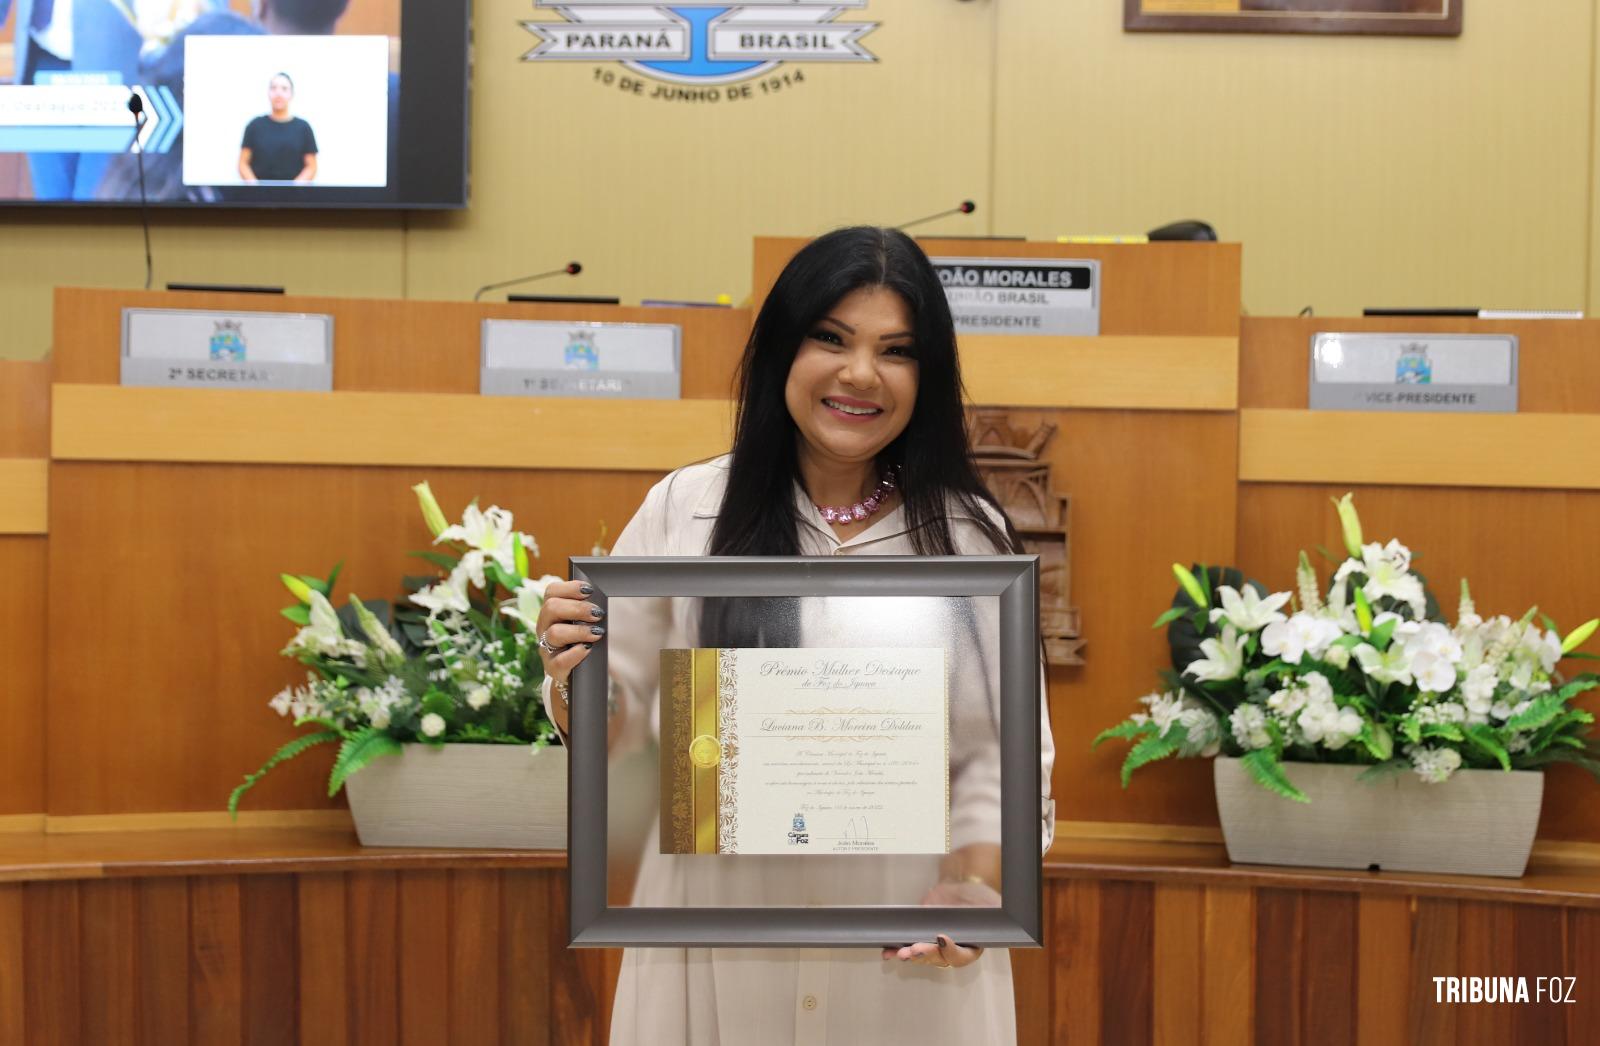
863, 509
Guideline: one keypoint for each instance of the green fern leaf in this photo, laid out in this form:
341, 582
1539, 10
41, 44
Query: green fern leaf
1446, 731
359, 749
1153, 748
1126, 729
289, 750
1544, 708
1264, 768
1483, 738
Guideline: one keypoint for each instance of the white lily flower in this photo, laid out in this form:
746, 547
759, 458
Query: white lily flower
526, 601
1388, 572
1224, 658
1247, 611
1388, 666
450, 594
486, 532
324, 635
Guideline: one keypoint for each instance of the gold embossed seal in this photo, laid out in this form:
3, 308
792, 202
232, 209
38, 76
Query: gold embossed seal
704, 752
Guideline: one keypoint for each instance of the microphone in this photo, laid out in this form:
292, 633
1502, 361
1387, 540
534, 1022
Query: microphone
967, 207
136, 107
569, 269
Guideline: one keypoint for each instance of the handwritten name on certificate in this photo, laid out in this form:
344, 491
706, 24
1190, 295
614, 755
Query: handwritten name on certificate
805, 751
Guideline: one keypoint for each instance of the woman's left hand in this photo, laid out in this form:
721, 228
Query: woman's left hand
945, 953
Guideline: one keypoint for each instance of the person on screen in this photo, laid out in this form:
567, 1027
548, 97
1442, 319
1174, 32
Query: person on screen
66, 41
278, 147
850, 377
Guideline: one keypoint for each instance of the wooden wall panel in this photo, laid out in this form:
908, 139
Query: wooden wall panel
1148, 489
424, 918
479, 957
1558, 371
24, 433
108, 932
22, 684
1383, 946
1127, 960
24, 408
371, 917
164, 960
218, 599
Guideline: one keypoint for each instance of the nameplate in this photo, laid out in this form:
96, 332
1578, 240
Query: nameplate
1021, 295
603, 360
1461, 373
205, 349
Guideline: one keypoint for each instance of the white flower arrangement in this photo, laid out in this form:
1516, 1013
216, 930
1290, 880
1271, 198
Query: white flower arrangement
1360, 674
457, 662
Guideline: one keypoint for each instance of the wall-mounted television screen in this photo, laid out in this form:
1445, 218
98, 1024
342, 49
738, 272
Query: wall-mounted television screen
241, 103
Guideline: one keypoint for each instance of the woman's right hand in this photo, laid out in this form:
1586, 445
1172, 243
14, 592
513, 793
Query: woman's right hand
568, 626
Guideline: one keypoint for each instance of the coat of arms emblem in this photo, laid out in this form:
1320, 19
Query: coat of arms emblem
581, 353
1413, 367
227, 341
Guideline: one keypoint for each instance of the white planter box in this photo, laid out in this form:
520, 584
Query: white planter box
1480, 822
491, 796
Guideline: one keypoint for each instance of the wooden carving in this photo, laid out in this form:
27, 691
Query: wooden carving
1008, 459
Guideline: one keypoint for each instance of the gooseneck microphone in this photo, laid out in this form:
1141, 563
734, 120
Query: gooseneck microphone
569, 269
967, 207
136, 107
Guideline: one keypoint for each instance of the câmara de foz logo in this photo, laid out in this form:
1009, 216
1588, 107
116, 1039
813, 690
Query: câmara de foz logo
701, 44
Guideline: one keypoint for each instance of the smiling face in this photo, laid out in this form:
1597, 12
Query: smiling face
279, 92
853, 384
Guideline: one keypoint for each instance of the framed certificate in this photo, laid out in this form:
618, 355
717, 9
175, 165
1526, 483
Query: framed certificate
1382, 17
807, 752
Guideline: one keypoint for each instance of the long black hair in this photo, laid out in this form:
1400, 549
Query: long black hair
935, 464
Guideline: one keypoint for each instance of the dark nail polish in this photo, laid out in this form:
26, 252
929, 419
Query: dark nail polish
596, 613
586, 646
585, 588
597, 630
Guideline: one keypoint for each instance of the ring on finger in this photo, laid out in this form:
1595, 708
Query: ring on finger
544, 643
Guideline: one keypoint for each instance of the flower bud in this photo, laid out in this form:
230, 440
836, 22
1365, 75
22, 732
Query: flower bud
1190, 585
1580, 635
1350, 523
299, 589
431, 513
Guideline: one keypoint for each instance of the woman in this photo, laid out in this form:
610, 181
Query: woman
850, 439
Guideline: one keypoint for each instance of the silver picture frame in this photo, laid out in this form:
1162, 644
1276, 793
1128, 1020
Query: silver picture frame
1015, 923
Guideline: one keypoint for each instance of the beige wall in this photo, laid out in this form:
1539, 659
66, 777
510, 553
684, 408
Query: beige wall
1356, 171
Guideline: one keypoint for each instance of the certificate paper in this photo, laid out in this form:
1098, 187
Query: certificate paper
805, 751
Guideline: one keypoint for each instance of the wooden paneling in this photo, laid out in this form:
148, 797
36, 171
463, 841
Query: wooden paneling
1155, 288
411, 430
1141, 373
217, 600
1558, 371
263, 960
1516, 451
247, 952
382, 345
1148, 489
24, 495
22, 684
24, 408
